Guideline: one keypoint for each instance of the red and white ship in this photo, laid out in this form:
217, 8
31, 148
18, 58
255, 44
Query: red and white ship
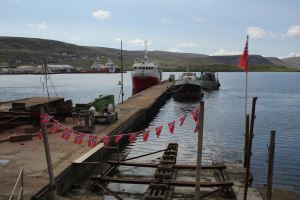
145, 74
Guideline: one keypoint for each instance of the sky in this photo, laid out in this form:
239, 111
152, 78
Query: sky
212, 27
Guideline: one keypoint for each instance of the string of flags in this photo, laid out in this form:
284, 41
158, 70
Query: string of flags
92, 140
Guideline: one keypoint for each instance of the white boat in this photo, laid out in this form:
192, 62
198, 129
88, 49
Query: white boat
187, 87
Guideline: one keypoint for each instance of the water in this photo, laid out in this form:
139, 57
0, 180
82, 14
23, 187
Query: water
277, 108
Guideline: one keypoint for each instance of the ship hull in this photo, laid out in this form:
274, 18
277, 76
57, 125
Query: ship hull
140, 83
187, 92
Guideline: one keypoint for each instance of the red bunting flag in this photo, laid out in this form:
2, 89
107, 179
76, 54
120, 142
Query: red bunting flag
244, 59
55, 126
66, 134
158, 131
195, 115
132, 137
106, 140
45, 118
40, 134
92, 140
181, 119
146, 135
118, 138
171, 126
79, 138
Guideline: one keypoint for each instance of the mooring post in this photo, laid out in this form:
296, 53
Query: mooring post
271, 151
246, 142
249, 148
199, 149
48, 157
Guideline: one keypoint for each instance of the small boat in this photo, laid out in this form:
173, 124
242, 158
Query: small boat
145, 74
108, 67
187, 87
209, 81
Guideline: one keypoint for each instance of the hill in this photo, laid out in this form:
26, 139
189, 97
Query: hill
292, 62
16, 51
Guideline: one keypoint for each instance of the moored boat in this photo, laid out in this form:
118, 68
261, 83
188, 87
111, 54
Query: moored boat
145, 74
187, 87
108, 67
209, 81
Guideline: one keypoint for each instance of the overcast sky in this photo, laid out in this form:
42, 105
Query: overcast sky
214, 27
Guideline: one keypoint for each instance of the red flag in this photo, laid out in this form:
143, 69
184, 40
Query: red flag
171, 126
66, 134
145, 135
244, 59
55, 126
79, 138
45, 118
181, 119
106, 140
132, 137
195, 115
158, 131
118, 138
40, 134
92, 140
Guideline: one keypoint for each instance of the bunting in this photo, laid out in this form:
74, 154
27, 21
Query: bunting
45, 118
92, 140
106, 140
146, 134
55, 126
79, 138
158, 131
118, 138
195, 115
182, 119
132, 137
66, 134
171, 126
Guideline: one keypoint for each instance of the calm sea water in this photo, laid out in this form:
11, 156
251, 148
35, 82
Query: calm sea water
278, 108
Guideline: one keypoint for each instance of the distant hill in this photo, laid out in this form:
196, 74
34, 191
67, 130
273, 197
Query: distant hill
292, 62
16, 51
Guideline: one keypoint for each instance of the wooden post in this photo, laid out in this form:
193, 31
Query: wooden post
48, 157
199, 149
249, 148
270, 164
246, 144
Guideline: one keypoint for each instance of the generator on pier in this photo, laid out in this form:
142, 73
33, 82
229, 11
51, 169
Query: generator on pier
104, 109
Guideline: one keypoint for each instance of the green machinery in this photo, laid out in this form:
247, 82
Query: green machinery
104, 109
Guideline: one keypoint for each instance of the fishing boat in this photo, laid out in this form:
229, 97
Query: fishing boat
108, 67
209, 81
187, 87
145, 74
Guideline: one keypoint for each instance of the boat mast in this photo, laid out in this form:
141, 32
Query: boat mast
122, 88
146, 52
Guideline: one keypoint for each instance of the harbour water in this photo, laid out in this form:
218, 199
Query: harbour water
277, 108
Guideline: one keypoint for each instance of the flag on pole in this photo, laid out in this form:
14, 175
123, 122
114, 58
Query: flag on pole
244, 59
55, 126
66, 134
106, 140
181, 119
132, 137
118, 138
171, 126
146, 135
45, 118
92, 140
158, 131
79, 138
195, 115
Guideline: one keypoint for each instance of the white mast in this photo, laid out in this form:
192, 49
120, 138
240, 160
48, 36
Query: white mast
146, 52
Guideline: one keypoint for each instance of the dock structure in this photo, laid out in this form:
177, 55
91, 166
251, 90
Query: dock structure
67, 158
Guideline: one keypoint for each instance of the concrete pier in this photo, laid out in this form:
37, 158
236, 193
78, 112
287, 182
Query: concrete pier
67, 156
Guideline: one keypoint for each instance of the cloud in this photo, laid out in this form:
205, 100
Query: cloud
224, 52
75, 38
294, 31
138, 42
256, 32
41, 25
101, 14
292, 54
182, 46
199, 19
165, 21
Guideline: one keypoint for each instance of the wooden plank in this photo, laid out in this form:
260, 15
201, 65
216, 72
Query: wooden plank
168, 182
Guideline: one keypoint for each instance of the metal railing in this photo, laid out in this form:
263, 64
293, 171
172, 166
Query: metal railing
20, 182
